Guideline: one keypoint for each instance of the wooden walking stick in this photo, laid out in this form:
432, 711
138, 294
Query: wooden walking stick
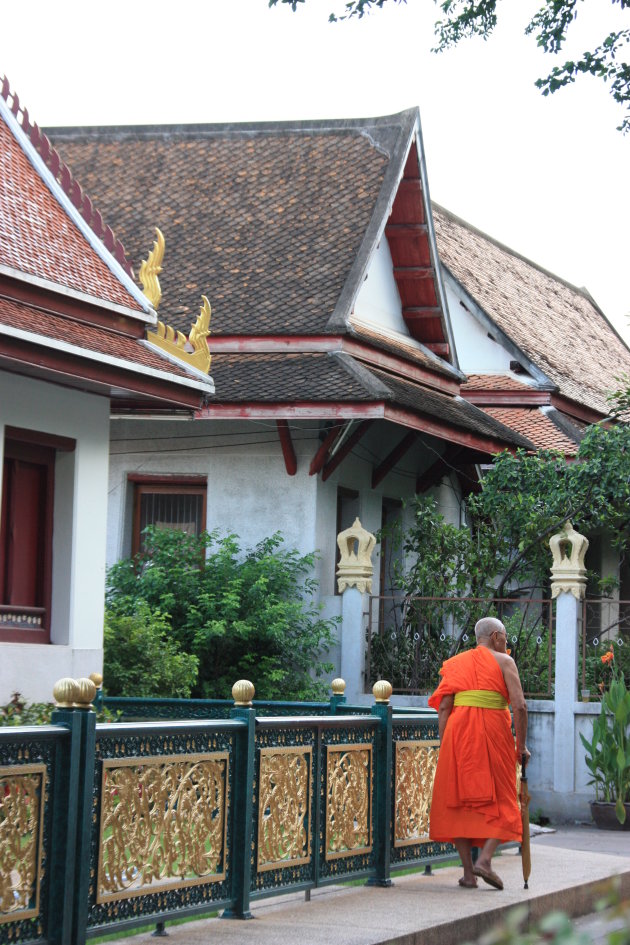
524, 799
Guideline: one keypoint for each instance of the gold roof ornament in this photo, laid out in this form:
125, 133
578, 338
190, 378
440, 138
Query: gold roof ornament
192, 350
150, 268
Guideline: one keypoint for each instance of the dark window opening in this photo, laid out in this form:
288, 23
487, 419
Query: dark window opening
168, 504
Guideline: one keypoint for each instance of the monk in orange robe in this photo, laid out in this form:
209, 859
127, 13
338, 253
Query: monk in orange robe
474, 800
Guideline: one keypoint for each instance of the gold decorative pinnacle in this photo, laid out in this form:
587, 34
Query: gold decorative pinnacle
382, 690
193, 350
338, 686
86, 691
97, 679
150, 268
65, 692
243, 692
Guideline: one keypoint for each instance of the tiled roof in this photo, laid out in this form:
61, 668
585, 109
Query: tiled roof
453, 410
90, 337
404, 348
537, 426
320, 378
494, 382
38, 238
266, 221
557, 326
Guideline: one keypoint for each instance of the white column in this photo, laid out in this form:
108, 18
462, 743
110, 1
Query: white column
354, 579
566, 671
568, 586
352, 642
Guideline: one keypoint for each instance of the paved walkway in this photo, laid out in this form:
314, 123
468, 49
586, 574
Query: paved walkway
569, 869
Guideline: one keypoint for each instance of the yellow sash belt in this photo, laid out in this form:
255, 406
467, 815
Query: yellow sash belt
481, 698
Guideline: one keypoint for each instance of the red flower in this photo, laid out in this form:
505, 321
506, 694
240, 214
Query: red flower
608, 657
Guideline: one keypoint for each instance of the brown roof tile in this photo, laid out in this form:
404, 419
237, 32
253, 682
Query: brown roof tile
90, 337
557, 326
265, 223
536, 426
38, 238
494, 382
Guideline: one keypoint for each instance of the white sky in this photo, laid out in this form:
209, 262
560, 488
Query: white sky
547, 176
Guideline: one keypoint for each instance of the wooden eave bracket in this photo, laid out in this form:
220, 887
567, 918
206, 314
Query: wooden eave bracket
288, 451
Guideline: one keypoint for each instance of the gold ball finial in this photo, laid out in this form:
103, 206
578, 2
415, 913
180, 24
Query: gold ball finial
86, 691
338, 686
65, 692
382, 690
243, 692
97, 679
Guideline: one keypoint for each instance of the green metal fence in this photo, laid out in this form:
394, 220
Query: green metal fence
109, 826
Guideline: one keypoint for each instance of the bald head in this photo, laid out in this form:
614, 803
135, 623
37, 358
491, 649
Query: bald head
485, 627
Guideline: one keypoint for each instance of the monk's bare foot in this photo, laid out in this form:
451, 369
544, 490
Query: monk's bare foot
468, 882
488, 875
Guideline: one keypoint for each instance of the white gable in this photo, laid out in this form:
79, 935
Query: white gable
378, 301
477, 352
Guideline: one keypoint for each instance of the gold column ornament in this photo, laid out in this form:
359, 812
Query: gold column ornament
355, 561
65, 692
150, 268
382, 690
243, 692
74, 693
568, 572
192, 350
338, 686
97, 679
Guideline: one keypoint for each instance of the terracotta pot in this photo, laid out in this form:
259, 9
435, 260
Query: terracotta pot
603, 813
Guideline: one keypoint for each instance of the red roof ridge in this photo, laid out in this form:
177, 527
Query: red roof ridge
62, 174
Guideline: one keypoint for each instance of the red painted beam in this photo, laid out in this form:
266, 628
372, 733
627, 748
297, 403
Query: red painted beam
390, 461
443, 431
507, 398
320, 456
343, 451
288, 452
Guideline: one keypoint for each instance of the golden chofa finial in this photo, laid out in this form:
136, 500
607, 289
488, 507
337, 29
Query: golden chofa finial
150, 269
194, 350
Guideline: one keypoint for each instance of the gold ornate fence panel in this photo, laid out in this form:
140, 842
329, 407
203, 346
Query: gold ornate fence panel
163, 824
22, 798
415, 764
349, 827
284, 815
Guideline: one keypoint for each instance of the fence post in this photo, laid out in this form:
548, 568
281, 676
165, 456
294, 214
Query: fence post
382, 709
72, 813
568, 586
338, 698
242, 791
354, 579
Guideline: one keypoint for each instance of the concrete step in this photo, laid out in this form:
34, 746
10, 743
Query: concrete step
418, 909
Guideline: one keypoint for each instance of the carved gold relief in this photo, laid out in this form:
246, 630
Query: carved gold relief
284, 832
415, 771
150, 268
193, 350
348, 800
22, 791
163, 824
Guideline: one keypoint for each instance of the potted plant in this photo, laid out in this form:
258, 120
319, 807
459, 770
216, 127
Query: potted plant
608, 753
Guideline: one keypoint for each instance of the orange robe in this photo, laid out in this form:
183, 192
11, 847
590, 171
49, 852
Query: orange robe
474, 792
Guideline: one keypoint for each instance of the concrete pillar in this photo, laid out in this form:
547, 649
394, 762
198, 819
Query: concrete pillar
352, 642
354, 579
568, 586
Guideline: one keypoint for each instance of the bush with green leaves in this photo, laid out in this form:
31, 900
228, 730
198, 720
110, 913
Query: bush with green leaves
142, 659
240, 614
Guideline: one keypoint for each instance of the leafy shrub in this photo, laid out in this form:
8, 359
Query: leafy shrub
142, 660
240, 614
